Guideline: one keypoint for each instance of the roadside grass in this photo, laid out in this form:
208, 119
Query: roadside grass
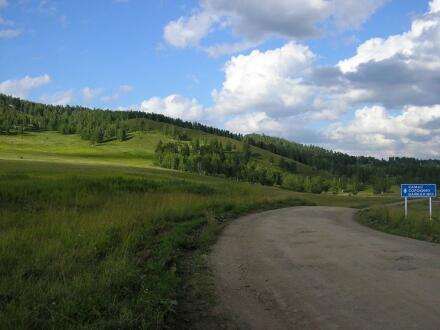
357, 202
391, 219
101, 246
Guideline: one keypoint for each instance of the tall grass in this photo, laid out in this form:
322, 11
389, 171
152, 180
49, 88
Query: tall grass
392, 219
96, 247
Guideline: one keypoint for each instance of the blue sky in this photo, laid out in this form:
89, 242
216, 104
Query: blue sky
284, 76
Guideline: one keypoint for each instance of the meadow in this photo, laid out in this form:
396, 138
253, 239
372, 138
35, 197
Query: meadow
99, 246
391, 219
93, 236
137, 150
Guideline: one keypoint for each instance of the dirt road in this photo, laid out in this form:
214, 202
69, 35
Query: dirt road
315, 268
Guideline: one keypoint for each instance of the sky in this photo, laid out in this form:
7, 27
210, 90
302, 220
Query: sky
362, 77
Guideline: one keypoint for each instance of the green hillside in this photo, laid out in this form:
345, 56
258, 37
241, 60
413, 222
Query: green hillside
137, 150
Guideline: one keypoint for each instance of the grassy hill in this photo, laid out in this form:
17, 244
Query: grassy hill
137, 150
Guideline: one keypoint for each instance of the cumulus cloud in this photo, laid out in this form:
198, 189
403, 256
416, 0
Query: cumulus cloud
229, 48
263, 81
175, 106
434, 6
22, 87
255, 21
188, 31
399, 70
256, 122
353, 13
376, 131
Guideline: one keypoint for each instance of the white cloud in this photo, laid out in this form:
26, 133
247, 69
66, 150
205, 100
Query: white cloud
258, 20
257, 122
396, 71
412, 47
3, 3
9, 33
88, 94
353, 13
265, 81
188, 31
22, 87
231, 48
122, 90
175, 106
59, 98
434, 6
415, 131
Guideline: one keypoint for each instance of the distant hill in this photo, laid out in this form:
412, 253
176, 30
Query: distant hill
146, 139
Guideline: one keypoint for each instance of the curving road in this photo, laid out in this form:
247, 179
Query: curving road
315, 268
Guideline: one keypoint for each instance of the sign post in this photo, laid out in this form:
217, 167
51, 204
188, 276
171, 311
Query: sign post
430, 208
418, 191
406, 207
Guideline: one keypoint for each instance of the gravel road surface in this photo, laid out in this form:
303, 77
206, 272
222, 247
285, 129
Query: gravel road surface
316, 268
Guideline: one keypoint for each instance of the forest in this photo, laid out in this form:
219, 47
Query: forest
366, 169
212, 158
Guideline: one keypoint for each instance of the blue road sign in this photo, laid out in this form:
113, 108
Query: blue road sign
418, 190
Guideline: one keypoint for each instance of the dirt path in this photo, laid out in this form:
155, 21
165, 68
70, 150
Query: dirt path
315, 268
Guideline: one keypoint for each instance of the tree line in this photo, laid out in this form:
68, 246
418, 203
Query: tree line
96, 125
367, 170
214, 158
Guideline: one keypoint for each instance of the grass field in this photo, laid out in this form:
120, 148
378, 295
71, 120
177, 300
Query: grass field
99, 246
391, 219
138, 150
92, 236
93, 246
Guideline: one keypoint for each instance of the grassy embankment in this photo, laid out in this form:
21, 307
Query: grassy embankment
101, 245
391, 219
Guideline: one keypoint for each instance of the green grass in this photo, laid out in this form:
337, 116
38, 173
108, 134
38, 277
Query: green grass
138, 150
99, 247
391, 219
94, 246
93, 236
